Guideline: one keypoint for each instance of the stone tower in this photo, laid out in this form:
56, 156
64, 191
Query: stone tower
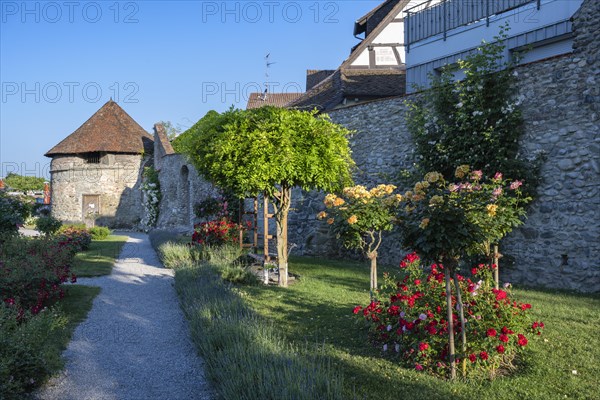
96, 171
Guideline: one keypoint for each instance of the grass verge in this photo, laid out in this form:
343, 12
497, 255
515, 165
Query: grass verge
75, 306
100, 257
246, 356
319, 307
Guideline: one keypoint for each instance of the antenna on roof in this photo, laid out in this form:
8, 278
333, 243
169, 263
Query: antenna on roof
268, 64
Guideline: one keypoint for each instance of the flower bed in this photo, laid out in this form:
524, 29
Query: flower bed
32, 270
409, 320
216, 232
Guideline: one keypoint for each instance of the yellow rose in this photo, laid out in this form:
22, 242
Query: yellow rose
321, 215
330, 221
433, 177
424, 223
338, 202
462, 171
352, 220
491, 209
329, 200
436, 201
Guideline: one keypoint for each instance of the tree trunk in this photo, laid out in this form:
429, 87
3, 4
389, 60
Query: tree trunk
281, 220
496, 260
463, 331
451, 351
373, 257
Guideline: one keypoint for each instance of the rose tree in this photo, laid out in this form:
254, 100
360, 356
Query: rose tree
504, 211
360, 216
269, 151
408, 320
444, 221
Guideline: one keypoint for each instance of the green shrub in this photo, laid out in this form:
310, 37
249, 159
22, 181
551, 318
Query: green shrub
173, 255
99, 232
25, 357
238, 274
12, 214
66, 227
48, 225
222, 256
159, 237
32, 270
78, 239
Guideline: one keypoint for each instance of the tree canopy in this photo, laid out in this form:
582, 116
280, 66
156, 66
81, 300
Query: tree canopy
24, 183
269, 151
259, 150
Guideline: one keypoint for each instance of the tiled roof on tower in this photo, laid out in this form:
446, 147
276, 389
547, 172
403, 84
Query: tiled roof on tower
109, 130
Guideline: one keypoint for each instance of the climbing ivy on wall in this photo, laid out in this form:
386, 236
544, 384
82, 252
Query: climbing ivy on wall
476, 121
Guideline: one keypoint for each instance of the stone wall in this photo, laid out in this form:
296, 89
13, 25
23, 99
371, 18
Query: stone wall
559, 245
116, 180
181, 188
381, 147
180, 185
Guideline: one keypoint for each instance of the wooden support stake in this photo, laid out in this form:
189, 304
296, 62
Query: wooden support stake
266, 228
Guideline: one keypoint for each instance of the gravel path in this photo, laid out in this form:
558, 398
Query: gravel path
134, 343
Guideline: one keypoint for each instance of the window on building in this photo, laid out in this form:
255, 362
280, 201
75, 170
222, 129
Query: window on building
92, 158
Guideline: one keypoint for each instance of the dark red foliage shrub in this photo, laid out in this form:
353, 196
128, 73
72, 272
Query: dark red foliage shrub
32, 271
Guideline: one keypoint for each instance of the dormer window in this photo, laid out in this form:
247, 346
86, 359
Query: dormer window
92, 158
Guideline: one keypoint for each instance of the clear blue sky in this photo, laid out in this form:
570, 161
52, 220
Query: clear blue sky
160, 60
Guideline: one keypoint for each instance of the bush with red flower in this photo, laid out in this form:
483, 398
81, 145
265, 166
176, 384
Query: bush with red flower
74, 237
410, 322
444, 222
216, 232
32, 271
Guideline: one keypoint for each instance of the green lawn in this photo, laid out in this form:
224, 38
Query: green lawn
319, 308
99, 259
75, 306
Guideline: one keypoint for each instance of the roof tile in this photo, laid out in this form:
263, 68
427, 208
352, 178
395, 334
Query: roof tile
109, 130
258, 100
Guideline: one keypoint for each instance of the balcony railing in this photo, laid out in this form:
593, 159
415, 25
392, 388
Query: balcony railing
423, 21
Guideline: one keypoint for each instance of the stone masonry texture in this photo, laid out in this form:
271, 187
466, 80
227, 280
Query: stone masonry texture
559, 244
117, 182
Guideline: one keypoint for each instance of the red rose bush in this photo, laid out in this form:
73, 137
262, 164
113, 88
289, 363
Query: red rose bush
409, 320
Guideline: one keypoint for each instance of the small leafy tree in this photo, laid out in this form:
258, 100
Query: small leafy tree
13, 213
171, 131
269, 151
24, 183
360, 216
476, 121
